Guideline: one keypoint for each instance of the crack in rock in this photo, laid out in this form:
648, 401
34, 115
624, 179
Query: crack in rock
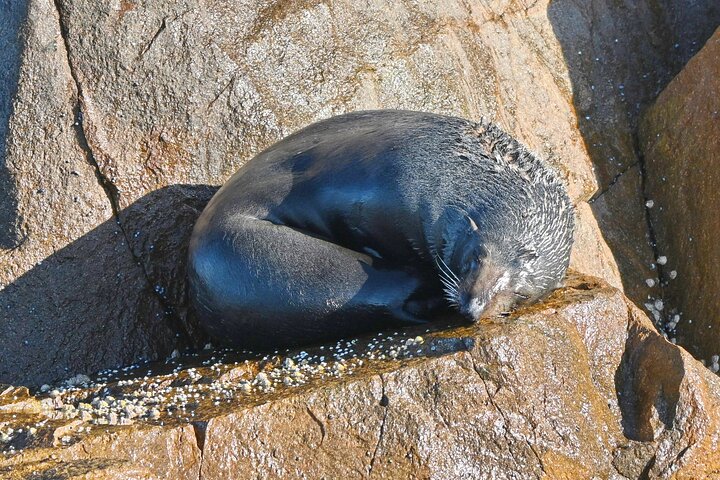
163, 26
612, 182
110, 189
319, 424
384, 402
505, 419
200, 431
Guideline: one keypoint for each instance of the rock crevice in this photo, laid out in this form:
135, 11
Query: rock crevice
612, 182
109, 187
385, 403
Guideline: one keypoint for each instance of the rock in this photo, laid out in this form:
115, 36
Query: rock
622, 206
17, 400
619, 56
162, 222
148, 453
12, 17
74, 298
126, 114
635, 49
581, 383
590, 254
680, 137
187, 93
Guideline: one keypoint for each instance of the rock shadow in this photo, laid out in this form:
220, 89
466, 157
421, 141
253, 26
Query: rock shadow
620, 55
99, 303
647, 383
12, 18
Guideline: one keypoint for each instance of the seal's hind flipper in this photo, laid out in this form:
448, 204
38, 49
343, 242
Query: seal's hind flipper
272, 285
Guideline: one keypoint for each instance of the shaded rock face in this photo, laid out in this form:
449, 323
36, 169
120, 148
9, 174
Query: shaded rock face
119, 109
619, 56
579, 386
681, 142
88, 305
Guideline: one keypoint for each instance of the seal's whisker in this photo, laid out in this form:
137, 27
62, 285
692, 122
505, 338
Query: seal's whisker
446, 271
449, 270
450, 288
451, 295
450, 299
448, 282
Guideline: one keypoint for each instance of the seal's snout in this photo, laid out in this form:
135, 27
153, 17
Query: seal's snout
474, 300
487, 303
489, 291
473, 308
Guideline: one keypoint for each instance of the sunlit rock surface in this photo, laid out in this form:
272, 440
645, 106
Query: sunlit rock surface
120, 118
579, 385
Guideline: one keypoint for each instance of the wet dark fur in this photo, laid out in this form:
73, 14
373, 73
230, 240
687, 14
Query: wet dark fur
373, 219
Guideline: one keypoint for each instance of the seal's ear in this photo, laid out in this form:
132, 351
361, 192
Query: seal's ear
527, 252
473, 225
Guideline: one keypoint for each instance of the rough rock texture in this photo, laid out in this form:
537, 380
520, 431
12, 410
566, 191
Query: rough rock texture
148, 453
681, 143
73, 297
12, 15
118, 103
619, 56
630, 237
579, 386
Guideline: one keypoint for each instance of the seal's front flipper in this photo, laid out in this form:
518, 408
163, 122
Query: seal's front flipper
393, 294
426, 307
263, 285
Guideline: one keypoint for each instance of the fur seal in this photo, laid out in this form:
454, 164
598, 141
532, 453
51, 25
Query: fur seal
373, 219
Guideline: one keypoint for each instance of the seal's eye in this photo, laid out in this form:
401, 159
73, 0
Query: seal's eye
470, 266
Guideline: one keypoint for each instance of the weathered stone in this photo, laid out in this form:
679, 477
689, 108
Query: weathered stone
73, 298
12, 18
249, 77
619, 55
590, 254
630, 240
668, 397
117, 103
681, 142
162, 222
580, 385
139, 452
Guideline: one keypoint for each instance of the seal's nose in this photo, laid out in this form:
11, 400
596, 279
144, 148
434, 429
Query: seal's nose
476, 308
471, 307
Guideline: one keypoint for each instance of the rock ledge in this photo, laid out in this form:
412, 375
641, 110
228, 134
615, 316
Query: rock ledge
580, 385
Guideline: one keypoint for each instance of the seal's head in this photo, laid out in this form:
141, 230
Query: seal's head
491, 285
492, 276
506, 240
